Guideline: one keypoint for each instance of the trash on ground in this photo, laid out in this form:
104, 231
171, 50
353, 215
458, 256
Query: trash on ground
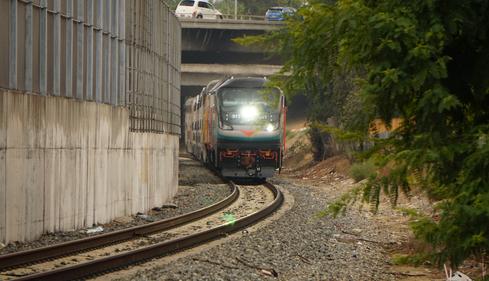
270, 272
95, 230
146, 218
169, 205
459, 276
455, 276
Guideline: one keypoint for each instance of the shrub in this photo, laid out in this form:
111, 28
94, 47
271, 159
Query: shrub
360, 171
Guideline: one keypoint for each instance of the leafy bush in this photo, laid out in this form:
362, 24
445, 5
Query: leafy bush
361, 171
290, 134
408, 55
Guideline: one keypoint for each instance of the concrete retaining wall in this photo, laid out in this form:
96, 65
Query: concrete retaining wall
67, 164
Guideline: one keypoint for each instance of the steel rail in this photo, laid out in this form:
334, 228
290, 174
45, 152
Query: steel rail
40, 254
117, 261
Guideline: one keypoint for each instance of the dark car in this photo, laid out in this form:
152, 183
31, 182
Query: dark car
279, 13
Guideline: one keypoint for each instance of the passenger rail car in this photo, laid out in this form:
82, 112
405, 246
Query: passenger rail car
237, 125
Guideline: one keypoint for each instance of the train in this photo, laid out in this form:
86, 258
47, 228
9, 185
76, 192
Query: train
237, 125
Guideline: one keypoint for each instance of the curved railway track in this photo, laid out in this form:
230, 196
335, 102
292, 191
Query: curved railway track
165, 236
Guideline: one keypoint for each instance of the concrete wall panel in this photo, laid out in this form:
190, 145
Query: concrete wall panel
3, 198
91, 113
25, 111
24, 190
80, 187
66, 189
119, 131
3, 121
68, 167
100, 186
3, 179
4, 43
68, 163
51, 202
16, 194
90, 193
34, 185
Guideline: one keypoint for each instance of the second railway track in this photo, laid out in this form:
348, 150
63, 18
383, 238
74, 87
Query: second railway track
98, 254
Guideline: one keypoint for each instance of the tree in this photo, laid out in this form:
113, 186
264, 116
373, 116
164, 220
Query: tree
424, 61
309, 46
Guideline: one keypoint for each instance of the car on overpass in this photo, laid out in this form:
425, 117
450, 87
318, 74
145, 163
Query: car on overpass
279, 13
198, 9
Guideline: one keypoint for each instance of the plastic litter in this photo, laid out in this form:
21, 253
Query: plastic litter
95, 230
455, 276
459, 276
146, 218
170, 206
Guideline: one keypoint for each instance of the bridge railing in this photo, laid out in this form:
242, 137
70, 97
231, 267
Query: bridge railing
229, 17
243, 17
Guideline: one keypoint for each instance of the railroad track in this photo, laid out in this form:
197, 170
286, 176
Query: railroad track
94, 255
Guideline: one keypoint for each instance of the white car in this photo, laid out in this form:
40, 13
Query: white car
197, 9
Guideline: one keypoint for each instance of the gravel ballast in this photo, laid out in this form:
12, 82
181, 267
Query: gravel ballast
294, 244
297, 246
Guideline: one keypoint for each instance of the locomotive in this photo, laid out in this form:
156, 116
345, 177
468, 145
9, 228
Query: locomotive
237, 125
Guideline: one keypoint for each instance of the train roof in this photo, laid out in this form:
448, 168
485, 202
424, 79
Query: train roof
211, 84
244, 82
237, 82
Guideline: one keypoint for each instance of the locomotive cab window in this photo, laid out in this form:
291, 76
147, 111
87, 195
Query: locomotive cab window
241, 106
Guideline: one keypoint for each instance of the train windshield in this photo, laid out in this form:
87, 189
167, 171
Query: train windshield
249, 105
266, 98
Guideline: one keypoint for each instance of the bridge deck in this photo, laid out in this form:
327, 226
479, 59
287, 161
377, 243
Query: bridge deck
229, 24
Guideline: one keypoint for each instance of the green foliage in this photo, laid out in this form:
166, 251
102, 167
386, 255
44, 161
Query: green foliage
340, 134
290, 134
311, 48
415, 70
416, 260
227, 7
424, 61
363, 170
340, 206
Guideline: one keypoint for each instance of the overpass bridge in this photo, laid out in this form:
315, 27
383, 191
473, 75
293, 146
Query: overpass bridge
230, 24
209, 53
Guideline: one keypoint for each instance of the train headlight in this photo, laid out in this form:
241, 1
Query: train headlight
249, 113
270, 127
